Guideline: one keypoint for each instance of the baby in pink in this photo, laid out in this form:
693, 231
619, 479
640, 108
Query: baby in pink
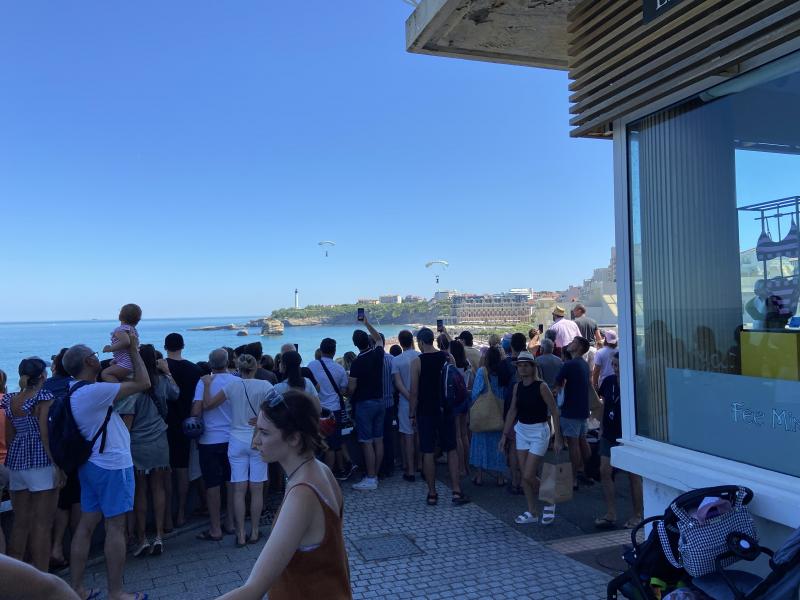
122, 365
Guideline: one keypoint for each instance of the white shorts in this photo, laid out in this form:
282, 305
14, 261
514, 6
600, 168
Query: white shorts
533, 438
33, 480
246, 463
403, 419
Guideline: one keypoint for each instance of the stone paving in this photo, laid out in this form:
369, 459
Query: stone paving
436, 552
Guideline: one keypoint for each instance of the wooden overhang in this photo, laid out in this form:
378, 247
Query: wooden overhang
618, 63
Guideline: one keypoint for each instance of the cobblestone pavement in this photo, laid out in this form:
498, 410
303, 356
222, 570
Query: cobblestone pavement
436, 552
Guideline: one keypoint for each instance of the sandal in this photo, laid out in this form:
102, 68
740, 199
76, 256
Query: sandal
605, 523
632, 522
548, 514
459, 498
433, 499
207, 537
157, 547
93, 594
141, 550
526, 518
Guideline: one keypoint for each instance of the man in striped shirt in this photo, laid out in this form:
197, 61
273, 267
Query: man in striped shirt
386, 468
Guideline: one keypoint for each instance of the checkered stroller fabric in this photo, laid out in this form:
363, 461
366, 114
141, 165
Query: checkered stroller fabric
699, 544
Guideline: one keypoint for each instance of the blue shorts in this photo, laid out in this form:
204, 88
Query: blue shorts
369, 419
106, 491
573, 428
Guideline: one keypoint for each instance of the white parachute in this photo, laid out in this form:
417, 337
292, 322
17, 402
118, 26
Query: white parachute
326, 244
438, 266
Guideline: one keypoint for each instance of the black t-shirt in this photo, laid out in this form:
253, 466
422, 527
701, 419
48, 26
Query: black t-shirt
430, 383
186, 375
367, 368
576, 391
588, 327
531, 408
612, 419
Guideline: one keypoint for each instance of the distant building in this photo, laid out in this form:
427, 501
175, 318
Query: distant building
509, 307
367, 301
413, 299
390, 299
445, 295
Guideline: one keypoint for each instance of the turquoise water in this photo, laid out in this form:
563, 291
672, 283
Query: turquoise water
21, 340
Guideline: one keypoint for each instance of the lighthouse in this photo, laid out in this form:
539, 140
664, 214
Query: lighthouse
296, 298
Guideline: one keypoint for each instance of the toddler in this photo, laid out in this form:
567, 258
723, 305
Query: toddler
122, 366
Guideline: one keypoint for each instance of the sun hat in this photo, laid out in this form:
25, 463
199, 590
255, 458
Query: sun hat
525, 356
611, 336
558, 311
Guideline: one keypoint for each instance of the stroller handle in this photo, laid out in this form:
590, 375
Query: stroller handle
728, 492
635, 530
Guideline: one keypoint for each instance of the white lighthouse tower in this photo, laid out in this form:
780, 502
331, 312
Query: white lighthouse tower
296, 298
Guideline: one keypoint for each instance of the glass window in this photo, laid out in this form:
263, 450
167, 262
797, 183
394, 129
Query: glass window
715, 208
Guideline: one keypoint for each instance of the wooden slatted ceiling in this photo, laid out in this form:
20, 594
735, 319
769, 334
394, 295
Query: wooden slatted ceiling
618, 63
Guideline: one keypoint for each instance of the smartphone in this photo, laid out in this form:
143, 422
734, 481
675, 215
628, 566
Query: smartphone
360, 314
297, 347
439, 324
541, 328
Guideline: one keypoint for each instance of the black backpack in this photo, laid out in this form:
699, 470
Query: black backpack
67, 445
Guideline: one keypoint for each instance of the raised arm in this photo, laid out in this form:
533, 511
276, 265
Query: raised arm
376, 337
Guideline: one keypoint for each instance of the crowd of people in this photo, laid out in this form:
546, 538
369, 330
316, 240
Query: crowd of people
254, 423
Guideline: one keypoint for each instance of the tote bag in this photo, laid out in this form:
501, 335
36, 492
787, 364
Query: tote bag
486, 413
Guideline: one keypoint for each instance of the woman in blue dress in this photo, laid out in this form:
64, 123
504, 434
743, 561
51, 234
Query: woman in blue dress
483, 453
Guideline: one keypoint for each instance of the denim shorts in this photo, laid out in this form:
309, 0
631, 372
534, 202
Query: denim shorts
573, 428
369, 419
107, 491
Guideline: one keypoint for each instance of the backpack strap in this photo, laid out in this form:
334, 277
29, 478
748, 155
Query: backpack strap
103, 428
333, 383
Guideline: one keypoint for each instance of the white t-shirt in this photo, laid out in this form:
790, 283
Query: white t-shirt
603, 360
217, 420
245, 397
283, 386
89, 407
328, 398
402, 364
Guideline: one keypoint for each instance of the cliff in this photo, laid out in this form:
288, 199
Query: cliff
345, 314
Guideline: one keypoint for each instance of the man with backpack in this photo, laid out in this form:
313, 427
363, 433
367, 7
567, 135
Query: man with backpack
434, 421
94, 439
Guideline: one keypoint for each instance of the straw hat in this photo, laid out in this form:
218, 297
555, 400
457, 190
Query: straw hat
558, 311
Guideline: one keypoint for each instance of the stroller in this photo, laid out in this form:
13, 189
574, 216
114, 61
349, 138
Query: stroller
656, 571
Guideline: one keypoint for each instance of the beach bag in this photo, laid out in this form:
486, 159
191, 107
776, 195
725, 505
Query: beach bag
701, 541
556, 483
68, 447
486, 413
454, 388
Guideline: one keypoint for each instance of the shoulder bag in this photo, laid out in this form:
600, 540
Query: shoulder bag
486, 414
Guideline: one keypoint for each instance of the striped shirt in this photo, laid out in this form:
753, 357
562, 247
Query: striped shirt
26, 450
388, 386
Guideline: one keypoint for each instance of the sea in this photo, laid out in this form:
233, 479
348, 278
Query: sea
44, 339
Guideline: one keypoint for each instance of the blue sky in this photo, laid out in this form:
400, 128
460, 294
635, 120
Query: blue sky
188, 156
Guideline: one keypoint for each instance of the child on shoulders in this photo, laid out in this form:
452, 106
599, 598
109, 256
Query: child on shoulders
122, 365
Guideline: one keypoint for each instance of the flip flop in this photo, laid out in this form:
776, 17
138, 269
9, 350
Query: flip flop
140, 596
433, 499
207, 537
239, 544
632, 522
459, 498
604, 523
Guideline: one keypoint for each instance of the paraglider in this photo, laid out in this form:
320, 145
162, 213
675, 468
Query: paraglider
437, 266
326, 244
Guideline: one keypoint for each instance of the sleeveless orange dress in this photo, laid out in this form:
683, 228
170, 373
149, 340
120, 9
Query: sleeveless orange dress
322, 573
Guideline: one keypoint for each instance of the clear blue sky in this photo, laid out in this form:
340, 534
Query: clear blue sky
189, 155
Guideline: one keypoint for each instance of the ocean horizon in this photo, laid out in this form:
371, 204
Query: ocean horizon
24, 339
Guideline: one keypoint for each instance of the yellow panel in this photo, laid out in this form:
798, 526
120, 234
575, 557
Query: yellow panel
771, 354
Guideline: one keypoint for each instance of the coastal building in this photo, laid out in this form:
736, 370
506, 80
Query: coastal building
444, 295
698, 101
509, 307
390, 299
413, 299
367, 301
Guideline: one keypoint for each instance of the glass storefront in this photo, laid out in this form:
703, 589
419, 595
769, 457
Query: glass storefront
715, 208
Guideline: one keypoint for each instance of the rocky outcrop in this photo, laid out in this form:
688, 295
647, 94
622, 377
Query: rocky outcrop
230, 327
271, 327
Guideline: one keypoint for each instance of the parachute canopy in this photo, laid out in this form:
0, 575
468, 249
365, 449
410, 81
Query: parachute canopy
327, 243
440, 263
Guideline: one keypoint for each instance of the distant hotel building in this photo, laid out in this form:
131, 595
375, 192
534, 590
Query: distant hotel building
510, 307
390, 299
367, 301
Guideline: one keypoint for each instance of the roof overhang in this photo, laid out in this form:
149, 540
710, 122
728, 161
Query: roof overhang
521, 32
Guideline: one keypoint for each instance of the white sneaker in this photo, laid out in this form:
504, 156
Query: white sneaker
367, 483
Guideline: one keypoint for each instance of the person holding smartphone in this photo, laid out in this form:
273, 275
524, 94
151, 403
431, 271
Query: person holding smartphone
365, 388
